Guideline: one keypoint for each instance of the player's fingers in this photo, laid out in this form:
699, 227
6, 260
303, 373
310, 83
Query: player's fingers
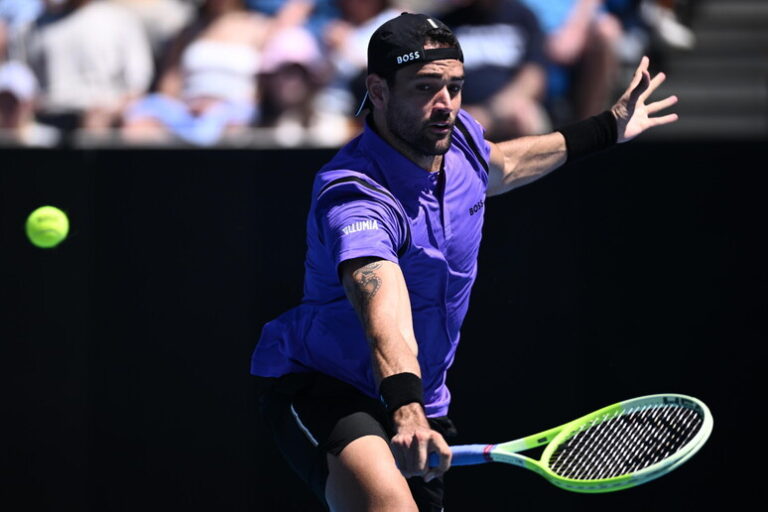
659, 121
438, 446
421, 447
402, 450
641, 88
657, 106
413, 462
441, 447
653, 85
644, 62
638, 74
399, 458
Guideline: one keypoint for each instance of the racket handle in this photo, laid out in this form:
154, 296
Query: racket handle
465, 455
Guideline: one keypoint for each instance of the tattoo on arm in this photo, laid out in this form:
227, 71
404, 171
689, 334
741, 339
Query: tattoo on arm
367, 281
362, 287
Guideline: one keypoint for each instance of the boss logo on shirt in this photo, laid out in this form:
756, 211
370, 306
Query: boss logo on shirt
477, 207
408, 57
362, 225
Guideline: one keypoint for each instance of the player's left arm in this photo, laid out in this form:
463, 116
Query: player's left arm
520, 161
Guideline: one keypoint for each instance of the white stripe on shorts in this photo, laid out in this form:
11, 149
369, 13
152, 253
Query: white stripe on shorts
304, 428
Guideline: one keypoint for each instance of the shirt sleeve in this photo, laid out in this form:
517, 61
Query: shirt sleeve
355, 220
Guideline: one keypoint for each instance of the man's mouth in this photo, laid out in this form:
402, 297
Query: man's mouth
441, 128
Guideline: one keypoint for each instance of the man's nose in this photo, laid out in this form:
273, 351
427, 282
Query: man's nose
443, 99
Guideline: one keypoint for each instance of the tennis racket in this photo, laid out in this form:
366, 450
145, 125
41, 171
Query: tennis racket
617, 447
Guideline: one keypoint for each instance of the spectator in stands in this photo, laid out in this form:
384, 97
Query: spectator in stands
3, 40
346, 39
581, 42
436, 8
16, 18
645, 24
162, 20
661, 18
504, 65
91, 59
293, 71
18, 96
207, 86
312, 14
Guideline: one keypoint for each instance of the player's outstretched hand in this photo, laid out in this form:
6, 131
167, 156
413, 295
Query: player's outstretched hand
413, 443
633, 114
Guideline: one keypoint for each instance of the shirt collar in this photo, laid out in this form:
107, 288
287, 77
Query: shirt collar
399, 173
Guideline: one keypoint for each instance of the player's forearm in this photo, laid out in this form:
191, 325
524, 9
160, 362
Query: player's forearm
393, 349
390, 355
393, 355
526, 159
376, 288
378, 293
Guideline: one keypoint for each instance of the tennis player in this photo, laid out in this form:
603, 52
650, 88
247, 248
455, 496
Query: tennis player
354, 379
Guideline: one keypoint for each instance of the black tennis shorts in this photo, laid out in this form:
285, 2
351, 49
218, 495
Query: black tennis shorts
311, 414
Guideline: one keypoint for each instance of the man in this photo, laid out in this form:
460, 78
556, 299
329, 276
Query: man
355, 376
18, 99
91, 59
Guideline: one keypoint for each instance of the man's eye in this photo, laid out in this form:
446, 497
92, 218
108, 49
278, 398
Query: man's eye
424, 87
455, 89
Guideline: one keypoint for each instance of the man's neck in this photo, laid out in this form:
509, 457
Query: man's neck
430, 163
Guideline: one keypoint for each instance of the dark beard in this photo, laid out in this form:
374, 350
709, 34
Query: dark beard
415, 138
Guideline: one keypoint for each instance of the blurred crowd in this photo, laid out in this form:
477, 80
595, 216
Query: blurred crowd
291, 72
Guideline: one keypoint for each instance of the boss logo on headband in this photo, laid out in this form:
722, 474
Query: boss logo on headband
408, 57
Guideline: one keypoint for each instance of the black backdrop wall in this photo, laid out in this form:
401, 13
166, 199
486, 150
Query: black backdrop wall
125, 350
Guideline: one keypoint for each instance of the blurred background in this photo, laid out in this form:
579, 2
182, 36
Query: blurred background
181, 138
289, 73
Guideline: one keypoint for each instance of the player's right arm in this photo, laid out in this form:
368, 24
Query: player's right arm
376, 288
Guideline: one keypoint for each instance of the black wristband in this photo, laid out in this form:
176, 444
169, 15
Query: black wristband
590, 135
400, 389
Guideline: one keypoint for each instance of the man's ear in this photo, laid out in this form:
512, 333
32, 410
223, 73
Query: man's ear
378, 90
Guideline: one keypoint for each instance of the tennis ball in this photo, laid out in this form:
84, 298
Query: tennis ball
47, 227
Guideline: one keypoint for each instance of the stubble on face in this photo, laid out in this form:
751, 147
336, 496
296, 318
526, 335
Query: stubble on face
422, 108
412, 130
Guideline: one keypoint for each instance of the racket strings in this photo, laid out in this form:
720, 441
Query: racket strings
622, 443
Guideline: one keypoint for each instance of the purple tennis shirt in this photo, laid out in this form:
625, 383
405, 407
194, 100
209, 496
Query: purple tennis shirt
370, 200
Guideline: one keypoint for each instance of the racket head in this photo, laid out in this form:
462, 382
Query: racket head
617, 447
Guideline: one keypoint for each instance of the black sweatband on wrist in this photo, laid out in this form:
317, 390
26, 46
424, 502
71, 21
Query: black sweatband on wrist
590, 135
400, 389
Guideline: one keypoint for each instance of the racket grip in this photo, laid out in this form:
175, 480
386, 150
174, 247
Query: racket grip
465, 455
